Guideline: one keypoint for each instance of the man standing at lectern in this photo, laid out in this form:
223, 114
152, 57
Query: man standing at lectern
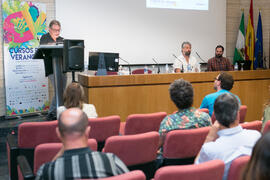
185, 62
52, 37
219, 63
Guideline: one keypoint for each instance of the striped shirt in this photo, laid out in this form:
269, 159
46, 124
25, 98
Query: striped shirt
82, 163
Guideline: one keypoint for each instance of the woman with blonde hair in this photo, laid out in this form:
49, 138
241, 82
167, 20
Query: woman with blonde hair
74, 97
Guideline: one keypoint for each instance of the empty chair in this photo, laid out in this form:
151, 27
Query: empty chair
237, 167
205, 171
266, 127
141, 123
43, 153
243, 112
136, 151
104, 127
255, 125
141, 71
30, 134
182, 146
112, 73
132, 175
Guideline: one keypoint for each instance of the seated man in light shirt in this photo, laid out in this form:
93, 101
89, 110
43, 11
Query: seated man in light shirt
226, 139
185, 62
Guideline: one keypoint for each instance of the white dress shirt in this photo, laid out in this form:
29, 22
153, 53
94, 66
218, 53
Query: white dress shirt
231, 144
181, 63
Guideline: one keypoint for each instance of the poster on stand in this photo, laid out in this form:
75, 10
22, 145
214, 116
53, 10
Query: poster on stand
26, 86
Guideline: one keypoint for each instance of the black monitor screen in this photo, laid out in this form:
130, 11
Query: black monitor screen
111, 61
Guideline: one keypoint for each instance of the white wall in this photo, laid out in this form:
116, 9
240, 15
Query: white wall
139, 33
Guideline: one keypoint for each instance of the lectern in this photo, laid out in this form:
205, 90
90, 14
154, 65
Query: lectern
53, 60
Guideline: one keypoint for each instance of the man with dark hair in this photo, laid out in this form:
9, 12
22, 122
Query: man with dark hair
76, 160
223, 84
187, 117
227, 140
219, 63
52, 37
186, 62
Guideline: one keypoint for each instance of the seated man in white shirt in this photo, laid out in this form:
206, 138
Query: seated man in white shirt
185, 62
226, 139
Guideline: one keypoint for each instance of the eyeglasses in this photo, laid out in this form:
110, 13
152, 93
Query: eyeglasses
55, 30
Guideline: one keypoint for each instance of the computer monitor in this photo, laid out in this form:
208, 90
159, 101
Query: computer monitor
111, 61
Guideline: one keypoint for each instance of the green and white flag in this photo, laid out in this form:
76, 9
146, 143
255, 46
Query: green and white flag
239, 53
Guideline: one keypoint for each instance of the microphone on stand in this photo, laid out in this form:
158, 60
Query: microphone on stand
157, 65
200, 58
129, 69
182, 70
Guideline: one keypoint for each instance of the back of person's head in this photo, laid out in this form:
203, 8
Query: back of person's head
72, 121
226, 81
73, 96
181, 93
258, 167
226, 109
54, 22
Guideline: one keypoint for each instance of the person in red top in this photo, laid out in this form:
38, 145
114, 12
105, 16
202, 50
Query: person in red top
219, 63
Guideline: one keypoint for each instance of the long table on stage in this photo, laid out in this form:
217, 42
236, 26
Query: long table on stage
145, 93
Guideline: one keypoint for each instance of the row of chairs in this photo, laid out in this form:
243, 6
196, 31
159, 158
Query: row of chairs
100, 126
31, 134
136, 151
139, 151
209, 170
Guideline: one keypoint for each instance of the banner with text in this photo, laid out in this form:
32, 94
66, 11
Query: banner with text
25, 82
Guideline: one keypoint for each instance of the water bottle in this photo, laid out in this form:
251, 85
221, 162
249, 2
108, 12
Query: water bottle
236, 67
85, 68
120, 70
153, 69
189, 68
145, 70
167, 68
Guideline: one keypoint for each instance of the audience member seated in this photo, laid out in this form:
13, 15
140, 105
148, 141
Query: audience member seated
258, 168
76, 160
187, 117
226, 139
223, 84
74, 97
